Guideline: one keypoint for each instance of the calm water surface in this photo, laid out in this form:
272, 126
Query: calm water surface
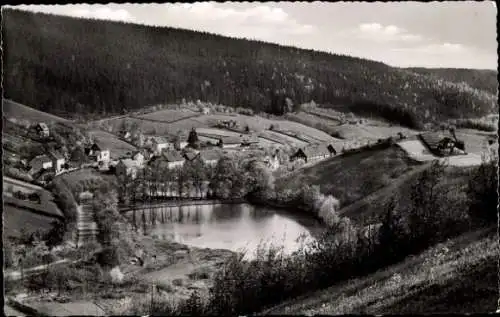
234, 227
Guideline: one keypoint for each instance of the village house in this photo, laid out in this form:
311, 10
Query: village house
157, 144
139, 157
127, 167
229, 142
441, 144
58, 161
210, 157
182, 141
42, 130
249, 140
272, 162
39, 163
169, 159
205, 110
314, 152
98, 153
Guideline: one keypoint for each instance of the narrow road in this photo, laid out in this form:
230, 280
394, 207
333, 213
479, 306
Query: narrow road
16, 275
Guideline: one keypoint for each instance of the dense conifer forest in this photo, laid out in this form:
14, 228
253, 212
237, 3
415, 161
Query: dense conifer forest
71, 66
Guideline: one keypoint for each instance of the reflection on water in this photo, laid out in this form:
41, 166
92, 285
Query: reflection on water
234, 227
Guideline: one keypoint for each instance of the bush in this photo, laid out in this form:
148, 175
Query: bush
482, 191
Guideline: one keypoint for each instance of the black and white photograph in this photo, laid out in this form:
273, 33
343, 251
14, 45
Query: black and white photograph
250, 158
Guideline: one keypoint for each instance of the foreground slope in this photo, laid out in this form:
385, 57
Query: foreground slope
98, 71
457, 276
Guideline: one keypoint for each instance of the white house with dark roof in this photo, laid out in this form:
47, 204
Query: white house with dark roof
58, 161
139, 157
229, 142
127, 167
40, 162
158, 144
210, 157
314, 152
42, 129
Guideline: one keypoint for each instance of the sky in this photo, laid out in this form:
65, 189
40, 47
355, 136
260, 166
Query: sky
456, 34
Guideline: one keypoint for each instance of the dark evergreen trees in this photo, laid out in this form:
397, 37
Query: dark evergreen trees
73, 67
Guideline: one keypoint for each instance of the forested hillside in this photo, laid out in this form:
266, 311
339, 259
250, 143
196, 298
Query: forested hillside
483, 79
70, 66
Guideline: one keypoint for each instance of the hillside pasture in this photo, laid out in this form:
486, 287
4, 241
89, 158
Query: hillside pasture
12, 109
290, 140
351, 177
16, 220
118, 148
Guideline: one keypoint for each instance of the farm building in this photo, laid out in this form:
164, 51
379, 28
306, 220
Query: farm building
169, 159
58, 161
229, 142
440, 144
272, 162
182, 141
98, 152
249, 140
139, 157
158, 144
42, 130
127, 167
40, 162
314, 152
210, 157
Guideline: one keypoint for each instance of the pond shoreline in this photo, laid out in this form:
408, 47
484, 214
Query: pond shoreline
182, 203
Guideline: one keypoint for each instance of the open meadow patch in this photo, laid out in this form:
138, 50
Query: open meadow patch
118, 148
352, 177
18, 221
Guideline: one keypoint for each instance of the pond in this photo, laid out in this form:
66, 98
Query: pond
235, 227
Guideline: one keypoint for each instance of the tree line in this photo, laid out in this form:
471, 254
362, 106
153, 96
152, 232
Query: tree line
105, 67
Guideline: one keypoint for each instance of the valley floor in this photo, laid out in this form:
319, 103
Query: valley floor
459, 275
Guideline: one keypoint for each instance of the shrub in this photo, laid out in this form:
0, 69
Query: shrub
482, 191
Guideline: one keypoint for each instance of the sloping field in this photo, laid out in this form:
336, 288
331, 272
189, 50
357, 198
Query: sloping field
16, 219
117, 147
217, 132
457, 276
368, 209
72, 179
168, 115
352, 177
364, 131
287, 139
19, 111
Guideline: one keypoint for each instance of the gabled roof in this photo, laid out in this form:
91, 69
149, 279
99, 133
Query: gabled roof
129, 163
40, 159
432, 139
43, 125
316, 150
191, 155
159, 140
250, 139
134, 153
172, 156
56, 155
231, 140
210, 155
